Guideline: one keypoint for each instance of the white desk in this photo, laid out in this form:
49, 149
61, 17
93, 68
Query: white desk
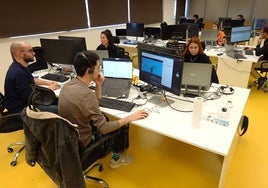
215, 138
231, 71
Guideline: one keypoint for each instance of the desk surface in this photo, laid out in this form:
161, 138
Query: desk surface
210, 136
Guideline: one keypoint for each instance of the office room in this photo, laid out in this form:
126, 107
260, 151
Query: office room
159, 160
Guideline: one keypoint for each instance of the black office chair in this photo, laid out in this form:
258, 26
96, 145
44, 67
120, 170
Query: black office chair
53, 142
263, 69
10, 123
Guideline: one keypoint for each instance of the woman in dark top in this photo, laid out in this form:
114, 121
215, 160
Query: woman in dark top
107, 43
194, 53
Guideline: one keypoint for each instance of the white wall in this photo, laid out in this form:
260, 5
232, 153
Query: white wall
91, 35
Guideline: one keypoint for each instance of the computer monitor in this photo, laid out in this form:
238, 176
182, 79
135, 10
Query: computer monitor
152, 32
186, 20
39, 63
80, 42
193, 29
237, 23
120, 32
259, 23
240, 34
209, 35
144, 46
176, 32
161, 70
58, 51
135, 29
225, 22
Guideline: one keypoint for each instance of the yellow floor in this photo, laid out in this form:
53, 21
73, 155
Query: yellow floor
164, 162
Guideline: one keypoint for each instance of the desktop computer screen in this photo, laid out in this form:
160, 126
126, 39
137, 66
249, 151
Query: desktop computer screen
161, 70
59, 51
176, 32
240, 34
120, 32
237, 23
193, 29
80, 42
135, 29
152, 32
259, 23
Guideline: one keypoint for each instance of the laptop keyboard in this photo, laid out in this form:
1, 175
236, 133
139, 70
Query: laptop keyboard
55, 77
239, 56
116, 104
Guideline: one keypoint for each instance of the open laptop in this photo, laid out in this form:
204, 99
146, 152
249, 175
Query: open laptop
197, 75
118, 77
101, 53
231, 52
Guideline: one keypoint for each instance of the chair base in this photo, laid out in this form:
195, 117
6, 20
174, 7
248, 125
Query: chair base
95, 179
255, 84
17, 154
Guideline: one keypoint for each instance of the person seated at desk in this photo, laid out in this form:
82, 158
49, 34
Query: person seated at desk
107, 43
258, 52
80, 105
220, 36
194, 53
19, 78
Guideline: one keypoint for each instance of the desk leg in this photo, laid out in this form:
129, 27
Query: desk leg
227, 161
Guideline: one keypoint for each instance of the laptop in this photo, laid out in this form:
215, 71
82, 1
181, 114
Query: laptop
101, 53
231, 52
118, 77
196, 75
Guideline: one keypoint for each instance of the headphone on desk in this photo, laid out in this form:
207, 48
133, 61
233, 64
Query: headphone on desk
81, 54
226, 90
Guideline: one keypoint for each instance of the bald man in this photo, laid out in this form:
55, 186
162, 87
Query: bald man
18, 79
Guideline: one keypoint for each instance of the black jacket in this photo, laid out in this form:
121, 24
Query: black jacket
202, 59
52, 142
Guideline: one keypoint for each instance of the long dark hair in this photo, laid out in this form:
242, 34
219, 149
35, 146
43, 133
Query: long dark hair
109, 36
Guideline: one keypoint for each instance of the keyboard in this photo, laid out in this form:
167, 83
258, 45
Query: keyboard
116, 104
249, 52
239, 56
131, 42
55, 77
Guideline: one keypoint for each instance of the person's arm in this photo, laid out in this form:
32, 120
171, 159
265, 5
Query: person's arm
261, 50
99, 81
51, 84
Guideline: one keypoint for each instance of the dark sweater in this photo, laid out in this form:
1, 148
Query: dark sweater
112, 50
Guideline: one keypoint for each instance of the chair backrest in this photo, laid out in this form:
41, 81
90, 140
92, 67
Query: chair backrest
122, 53
2, 107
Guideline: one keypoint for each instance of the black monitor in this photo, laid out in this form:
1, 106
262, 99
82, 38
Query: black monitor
193, 29
259, 23
225, 22
186, 20
39, 62
135, 29
161, 70
240, 34
144, 46
152, 32
80, 42
58, 51
237, 23
120, 32
176, 32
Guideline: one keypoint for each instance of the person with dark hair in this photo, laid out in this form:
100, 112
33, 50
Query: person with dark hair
80, 105
198, 21
241, 17
258, 52
107, 43
195, 17
220, 35
194, 53
19, 79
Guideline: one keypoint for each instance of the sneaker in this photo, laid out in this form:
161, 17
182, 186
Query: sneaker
123, 160
261, 82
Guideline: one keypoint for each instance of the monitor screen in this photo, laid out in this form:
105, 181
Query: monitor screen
135, 29
186, 20
58, 51
240, 34
161, 70
193, 30
176, 32
120, 32
259, 23
225, 22
152, 32
39, 62
80, 42
237, 23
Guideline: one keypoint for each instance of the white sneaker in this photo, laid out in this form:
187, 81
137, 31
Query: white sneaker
123, 160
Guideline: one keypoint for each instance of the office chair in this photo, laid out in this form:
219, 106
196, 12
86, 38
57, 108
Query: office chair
53, 142
263, 69
10, 123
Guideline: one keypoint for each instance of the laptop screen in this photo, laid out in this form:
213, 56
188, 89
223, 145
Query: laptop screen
117, 68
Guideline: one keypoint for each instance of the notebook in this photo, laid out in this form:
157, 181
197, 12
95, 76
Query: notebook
101, 53
118, 77
196, 75
231, 52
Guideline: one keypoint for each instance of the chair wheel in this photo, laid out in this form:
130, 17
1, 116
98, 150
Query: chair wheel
13, 163
101, 168
9, 150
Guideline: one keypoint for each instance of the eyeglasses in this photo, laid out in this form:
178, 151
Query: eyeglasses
30, 50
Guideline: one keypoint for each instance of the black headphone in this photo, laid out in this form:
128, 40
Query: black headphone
90, 70
226, 90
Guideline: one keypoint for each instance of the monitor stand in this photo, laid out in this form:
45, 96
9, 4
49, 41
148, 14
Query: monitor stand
159, 100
